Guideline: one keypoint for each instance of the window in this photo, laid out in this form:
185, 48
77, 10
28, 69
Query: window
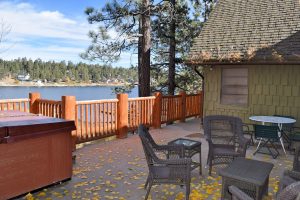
234, 89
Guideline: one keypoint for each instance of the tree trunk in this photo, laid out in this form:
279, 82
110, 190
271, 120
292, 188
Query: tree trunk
140, 57
145, 50
171, 75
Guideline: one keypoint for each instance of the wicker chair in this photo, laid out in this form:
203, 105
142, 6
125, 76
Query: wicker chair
294, 137
294, 174
172, 170
165, 151
224, 135
248, 130
291, 192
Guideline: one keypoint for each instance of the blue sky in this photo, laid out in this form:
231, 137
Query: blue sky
49, 29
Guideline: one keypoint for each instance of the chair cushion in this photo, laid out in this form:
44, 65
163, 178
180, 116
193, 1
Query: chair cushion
160, 172
222, 149
170, 172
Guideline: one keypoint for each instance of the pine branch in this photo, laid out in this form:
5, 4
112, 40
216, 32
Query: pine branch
199, 73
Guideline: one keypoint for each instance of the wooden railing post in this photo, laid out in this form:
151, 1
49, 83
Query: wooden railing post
157, 110
68, 106
33, 106
122, 115
183, 105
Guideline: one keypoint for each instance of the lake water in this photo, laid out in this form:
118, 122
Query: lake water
55, 93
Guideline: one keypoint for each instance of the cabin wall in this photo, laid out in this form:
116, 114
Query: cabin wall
273, 89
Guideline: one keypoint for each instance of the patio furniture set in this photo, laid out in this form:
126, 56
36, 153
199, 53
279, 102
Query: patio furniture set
242, 178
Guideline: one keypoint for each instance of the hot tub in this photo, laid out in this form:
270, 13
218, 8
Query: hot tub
35, 151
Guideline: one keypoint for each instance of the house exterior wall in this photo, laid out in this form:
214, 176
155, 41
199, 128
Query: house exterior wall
273, 89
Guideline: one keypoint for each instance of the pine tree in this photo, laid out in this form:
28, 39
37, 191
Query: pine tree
127, 19
173, 41
60, 71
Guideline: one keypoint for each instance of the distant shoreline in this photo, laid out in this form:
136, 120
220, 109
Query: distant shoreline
33, 84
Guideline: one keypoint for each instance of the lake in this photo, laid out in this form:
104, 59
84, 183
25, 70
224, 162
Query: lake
55, 93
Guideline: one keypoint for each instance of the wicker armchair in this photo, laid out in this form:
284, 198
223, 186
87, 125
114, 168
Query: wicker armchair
248, 130
294, 174
164, 151
165, 171
224, 135
294, 137
291, 192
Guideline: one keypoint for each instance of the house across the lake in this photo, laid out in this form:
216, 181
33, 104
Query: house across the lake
250, 51
23, 77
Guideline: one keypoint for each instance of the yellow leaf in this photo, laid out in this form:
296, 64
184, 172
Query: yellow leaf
209, 190
179, 196
29, 197
41, 194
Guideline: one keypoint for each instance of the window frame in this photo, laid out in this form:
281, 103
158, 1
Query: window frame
234, 104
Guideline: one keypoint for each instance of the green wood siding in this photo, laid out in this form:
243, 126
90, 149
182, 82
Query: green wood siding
273, 89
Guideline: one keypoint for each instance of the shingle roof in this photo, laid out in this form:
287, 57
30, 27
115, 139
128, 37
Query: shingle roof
250, 31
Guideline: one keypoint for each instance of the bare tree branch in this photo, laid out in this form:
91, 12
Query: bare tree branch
198, 72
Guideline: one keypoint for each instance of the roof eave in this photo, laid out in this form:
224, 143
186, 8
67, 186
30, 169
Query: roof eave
257, 62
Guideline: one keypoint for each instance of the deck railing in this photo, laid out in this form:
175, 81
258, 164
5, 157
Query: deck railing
95, 119
192, 107
171, 108
140, 110
49, 108
15, 104
103, 118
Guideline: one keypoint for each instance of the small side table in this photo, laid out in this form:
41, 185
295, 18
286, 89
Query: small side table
192, 147
251, 176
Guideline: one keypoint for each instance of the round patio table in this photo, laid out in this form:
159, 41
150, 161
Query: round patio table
275, 120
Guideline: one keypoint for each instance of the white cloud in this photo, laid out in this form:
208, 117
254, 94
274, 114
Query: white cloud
58, 53
26, 21
48, 35
46, 53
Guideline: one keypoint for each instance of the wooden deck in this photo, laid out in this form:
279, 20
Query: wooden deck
116, 169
